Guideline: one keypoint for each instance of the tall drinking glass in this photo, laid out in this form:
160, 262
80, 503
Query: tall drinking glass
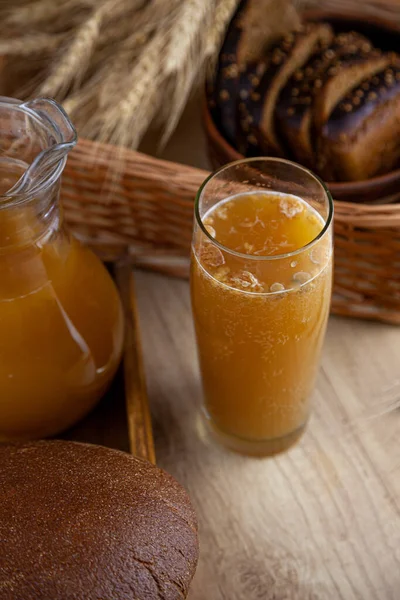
261, 288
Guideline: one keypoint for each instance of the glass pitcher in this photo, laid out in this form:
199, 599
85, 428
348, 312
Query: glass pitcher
61, 322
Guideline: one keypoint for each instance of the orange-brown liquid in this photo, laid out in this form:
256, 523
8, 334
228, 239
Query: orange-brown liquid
61, 328
260, 322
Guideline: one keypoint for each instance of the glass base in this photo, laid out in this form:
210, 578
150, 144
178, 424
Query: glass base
260, 448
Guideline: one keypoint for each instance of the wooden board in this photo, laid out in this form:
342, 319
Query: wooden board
122, 419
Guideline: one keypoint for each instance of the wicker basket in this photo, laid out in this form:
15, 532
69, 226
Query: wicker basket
127, 205
145, 213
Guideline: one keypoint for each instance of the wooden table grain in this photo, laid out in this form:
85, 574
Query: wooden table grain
321, 522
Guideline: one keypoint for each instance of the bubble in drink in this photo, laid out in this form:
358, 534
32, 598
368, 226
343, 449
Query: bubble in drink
277, 287
222, 273
247, 281
222, 213
211, 256
315, 256
301, 277
291, 206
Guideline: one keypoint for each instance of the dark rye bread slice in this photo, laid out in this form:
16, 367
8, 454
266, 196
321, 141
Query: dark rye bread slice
295, 104
263, 24
222, 90
362, 136
341, 77
247, 35
285, 58
85, 522
246, 141
249, 79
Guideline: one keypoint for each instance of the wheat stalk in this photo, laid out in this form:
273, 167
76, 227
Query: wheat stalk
193, 16
120, 26
36, 43
146, 24
98, 92
185, 56
74, 61
224, 12
42, 11
117, 65
108, 77
125, 119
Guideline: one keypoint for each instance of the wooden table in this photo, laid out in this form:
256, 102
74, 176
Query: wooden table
319, 522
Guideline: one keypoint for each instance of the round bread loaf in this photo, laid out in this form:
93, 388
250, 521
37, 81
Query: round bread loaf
83, 522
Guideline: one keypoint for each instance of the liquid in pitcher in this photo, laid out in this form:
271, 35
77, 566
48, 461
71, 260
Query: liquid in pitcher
61, 323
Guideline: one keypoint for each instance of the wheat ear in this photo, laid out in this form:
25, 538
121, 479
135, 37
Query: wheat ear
184, 57
224, 12
72, 65
43, 11
36, 43
128, 116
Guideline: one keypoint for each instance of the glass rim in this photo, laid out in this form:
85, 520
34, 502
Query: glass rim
242, 255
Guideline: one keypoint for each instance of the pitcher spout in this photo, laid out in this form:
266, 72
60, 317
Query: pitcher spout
46, 135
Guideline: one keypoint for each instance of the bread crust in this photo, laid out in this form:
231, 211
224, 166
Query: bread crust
83, 522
